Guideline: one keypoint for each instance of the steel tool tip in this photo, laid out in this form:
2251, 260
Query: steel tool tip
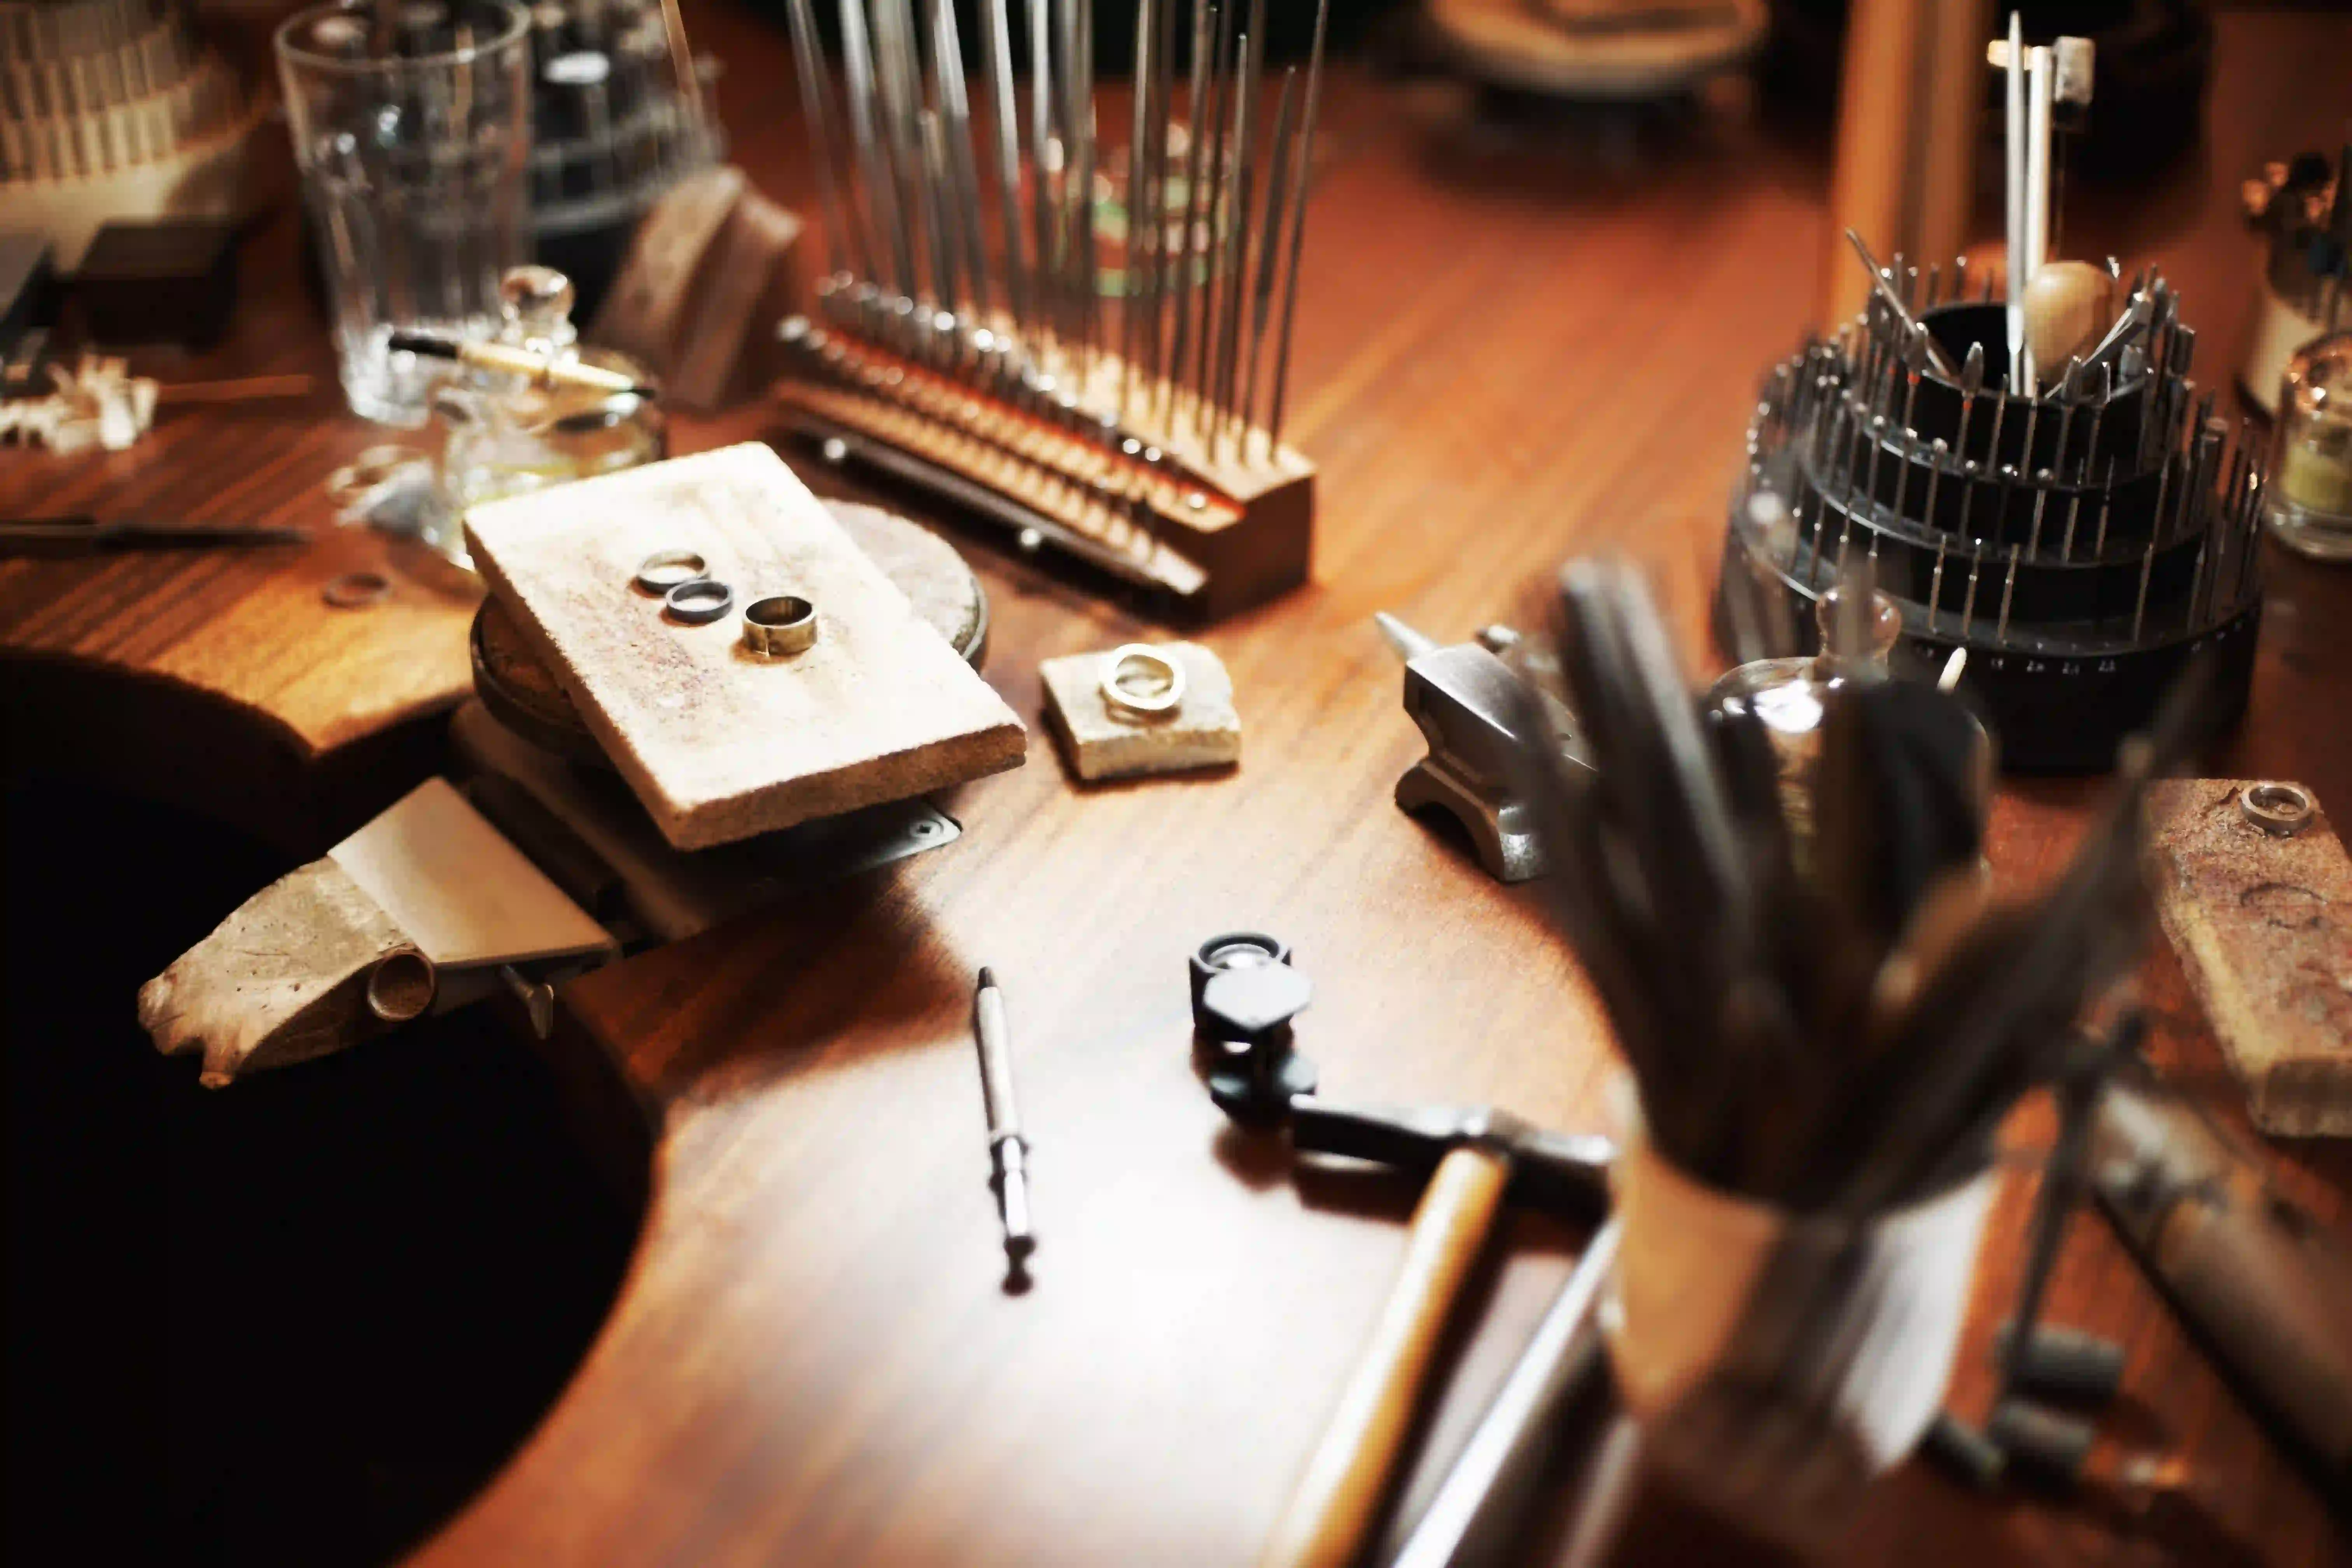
987, 977
1408, 642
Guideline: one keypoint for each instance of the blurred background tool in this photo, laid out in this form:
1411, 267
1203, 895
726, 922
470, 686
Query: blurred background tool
1909, 100
1822, 1052
2304, 217
1463, 699
963, 345
117, 110
2155, 61
620, 117
87, 536
2264, 1285
1597, 49
1479, 1504
1248, 994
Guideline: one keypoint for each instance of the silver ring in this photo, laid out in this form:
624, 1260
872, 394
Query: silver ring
668, 569
780, 626
699, 601
356, 590
1141, 680
2279, 809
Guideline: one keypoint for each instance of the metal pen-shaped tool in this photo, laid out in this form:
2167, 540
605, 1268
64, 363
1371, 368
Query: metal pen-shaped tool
1007, 1149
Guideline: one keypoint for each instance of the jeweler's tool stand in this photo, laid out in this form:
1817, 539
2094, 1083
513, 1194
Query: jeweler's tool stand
2083, 542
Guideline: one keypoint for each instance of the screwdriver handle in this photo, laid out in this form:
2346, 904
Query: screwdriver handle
1337, 1499
995, 1060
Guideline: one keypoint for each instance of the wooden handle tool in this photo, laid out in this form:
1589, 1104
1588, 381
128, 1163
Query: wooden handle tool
1340, 1493
2068, 305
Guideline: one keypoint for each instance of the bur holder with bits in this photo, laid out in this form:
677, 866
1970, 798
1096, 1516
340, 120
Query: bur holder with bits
1174, 499
2083, 543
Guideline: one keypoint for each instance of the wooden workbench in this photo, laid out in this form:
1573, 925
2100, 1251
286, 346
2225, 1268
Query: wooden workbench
1509, 350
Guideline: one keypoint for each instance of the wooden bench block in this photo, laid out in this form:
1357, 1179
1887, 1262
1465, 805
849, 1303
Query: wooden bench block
2264, 927
719, 743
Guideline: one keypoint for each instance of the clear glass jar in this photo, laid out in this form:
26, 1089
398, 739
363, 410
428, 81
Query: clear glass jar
511, 433
2309, 504
1787, 697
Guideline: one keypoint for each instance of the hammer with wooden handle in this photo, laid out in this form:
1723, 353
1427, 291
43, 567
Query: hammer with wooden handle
1474, 1158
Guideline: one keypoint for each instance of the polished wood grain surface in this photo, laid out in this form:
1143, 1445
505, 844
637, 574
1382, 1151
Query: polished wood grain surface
1513, 346
222, 679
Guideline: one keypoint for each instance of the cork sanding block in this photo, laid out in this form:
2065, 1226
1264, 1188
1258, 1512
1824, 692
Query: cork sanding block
2262, 922
720, 742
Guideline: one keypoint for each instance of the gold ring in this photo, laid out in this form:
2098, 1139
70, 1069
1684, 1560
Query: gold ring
779, 627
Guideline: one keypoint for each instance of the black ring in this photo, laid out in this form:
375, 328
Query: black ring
700, 601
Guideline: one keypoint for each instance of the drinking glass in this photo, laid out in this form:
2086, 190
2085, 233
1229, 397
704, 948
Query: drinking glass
412, 128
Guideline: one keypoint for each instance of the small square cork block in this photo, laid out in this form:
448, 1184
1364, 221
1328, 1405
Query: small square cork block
1104, 743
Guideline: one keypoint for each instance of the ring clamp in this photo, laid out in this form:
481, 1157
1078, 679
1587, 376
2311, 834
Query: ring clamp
2279, 809
699, 602
1141, 679
665, 569
780, 626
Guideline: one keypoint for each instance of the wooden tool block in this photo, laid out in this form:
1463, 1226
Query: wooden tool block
720, 742
744, 286
708, 274
1233, 528
1205, 732
345, 947
645, 311
2264, 927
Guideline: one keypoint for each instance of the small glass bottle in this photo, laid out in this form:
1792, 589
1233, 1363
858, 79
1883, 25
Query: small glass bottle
511, 433
2309, 504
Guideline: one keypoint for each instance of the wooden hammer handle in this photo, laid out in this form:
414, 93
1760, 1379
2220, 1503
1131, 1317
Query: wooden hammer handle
1329, 1515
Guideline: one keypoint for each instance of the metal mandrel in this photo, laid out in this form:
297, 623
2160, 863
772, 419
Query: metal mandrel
1008, 1150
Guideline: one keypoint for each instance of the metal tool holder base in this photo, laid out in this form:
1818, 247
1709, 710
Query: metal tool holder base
1213, 519
2083, 554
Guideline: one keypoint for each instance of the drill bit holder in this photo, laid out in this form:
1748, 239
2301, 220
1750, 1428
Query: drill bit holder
1166, 500
961, 343
2082, 541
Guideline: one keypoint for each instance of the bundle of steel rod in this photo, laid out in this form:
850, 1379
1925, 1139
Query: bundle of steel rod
961, 340
1836, 1040
2083, 536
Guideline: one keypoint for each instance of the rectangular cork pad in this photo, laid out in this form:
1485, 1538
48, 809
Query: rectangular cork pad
720, 742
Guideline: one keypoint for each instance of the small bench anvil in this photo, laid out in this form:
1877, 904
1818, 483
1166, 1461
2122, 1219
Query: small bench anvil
1463, 697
